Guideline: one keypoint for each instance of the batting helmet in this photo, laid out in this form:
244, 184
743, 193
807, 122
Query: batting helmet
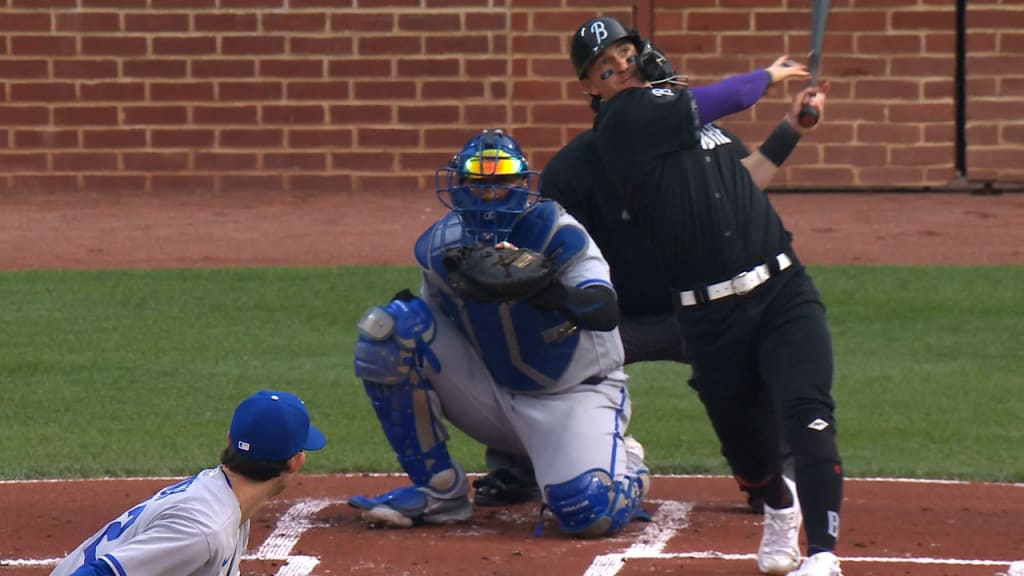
488, 184
596, 35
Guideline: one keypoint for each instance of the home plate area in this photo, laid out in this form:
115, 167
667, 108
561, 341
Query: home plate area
700, 525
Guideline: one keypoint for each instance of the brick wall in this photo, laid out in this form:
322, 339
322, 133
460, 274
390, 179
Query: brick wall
373, 95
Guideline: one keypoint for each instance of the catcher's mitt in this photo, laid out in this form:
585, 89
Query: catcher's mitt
490, 274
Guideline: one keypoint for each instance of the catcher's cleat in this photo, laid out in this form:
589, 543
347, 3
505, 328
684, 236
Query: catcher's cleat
416, 505
780, 543
502, 487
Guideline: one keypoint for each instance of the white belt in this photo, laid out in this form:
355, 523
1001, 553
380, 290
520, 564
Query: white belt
740, 284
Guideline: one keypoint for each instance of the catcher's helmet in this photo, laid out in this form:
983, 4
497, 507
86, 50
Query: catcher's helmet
488, 184
596, 35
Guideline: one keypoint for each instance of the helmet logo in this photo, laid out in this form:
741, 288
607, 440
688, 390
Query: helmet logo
598, 29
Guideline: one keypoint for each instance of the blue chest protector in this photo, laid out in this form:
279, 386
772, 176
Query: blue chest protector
524, 348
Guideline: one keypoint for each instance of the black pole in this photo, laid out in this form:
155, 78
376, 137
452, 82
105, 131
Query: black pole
961, 90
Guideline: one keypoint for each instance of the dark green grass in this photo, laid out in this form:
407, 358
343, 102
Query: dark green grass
136, 372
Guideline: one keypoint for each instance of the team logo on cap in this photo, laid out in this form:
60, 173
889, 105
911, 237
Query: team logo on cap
243, 446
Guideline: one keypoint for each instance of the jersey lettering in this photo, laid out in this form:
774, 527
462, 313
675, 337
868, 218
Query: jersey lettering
662, 92
174, 489
833, 524
113, 532
598, 29
711, 137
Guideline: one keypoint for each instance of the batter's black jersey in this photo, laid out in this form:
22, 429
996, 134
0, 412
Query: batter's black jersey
687, 186
576, 178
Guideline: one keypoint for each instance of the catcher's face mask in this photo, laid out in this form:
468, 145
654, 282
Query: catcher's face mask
488, 184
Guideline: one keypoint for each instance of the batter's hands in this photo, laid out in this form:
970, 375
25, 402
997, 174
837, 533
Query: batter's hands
783, 69
813, 96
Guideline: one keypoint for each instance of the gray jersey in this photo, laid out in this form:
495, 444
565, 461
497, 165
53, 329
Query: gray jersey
191, 528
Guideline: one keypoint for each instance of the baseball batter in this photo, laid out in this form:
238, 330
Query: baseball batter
200, 526
539, 376
749, 312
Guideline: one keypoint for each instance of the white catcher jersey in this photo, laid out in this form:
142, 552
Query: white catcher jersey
524, 348
190, 528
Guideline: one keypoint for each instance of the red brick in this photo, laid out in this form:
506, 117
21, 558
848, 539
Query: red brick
155, 161
226, 161
114, 46
337, 183
155, 68
184, 45
154, 115
248, 4
1013, 134
483, 21
298, 4
437, 22
428, 114
294, 22
446, 138
384, 90
84, 161
254, 138
360, 114
106, 183
920, 155
400, 45
250, 91
252, 45
189, 4
421, 67
179, 183
419, 162
23, 69
85, 115
926, 20
115, 138
319, 91
22, 162
44, 182
385, 184
888, 43
249, 184
320, 138
112, 91
387, 137
292, 114
225, 114
463, 43
561, 114
45, 138
889, 134
883, 88
496, 66
184, 138
537, 44
43, 92
295, 161
147, 22
44, 46
529, 90
291, 68
388, 3
233, 68
363, 161
359, 68
85, 69
121, 4
89, 22
168, 92
452, 89
315, 45
363, 22
227, 22
858, 155
485, 114
25, 22
44, 4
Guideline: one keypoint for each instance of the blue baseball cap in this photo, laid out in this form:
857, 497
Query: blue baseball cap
272, 425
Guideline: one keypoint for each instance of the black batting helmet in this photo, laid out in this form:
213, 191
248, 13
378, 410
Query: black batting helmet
596, 35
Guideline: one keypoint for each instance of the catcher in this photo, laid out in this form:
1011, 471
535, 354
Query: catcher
513, 339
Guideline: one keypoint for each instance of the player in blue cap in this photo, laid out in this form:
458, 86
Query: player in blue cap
200, 526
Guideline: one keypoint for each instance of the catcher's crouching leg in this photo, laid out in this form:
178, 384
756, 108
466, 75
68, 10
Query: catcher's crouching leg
592, 504
392, 347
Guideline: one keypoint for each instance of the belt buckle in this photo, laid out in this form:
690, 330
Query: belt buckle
744, 288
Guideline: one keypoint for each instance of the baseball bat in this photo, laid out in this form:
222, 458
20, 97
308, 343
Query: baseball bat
819, 18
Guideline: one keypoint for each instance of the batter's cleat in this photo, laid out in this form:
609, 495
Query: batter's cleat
779, 552
416, 505
502, 487
820, 564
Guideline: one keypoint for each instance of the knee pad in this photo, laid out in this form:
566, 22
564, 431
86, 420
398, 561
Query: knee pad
592, 504
393, 344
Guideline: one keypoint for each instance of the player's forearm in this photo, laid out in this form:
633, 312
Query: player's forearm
591, 308
761, 169
764, 162
731, 95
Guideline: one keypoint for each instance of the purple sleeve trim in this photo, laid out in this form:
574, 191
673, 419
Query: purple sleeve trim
734, 94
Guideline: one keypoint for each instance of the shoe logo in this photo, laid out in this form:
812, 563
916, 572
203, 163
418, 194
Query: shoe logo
818, 425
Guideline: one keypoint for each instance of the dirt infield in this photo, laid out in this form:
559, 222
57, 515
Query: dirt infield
889, 527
